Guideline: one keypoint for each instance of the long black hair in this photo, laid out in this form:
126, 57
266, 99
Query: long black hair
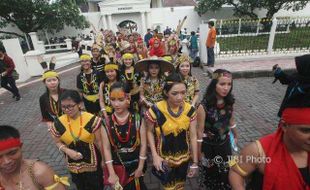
72, 95
209, 98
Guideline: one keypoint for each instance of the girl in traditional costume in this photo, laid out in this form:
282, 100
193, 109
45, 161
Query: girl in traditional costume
152, 84
78, 136
88, 83
132, 78
175, 146
124, 141
112, 73
184, 69
49, 101
215, 121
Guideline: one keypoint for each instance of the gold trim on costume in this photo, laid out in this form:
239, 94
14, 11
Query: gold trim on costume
58, 180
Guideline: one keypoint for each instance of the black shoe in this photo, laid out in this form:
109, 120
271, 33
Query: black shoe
17, 98
13, 96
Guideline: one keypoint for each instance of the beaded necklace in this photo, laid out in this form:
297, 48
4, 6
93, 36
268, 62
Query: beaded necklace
75, 138
116, 123
54, 107
180, 111
131, 74
87, 84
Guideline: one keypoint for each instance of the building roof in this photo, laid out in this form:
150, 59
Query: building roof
178, 3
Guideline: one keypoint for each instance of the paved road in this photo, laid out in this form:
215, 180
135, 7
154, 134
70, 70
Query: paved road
257, 102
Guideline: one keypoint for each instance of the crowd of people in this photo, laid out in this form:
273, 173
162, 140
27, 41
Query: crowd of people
137, 99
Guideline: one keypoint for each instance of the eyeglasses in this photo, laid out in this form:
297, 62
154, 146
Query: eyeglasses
67, 107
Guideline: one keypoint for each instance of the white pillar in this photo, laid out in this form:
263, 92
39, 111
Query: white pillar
143, 23
34, 39
104, 20
110, 21
272, 35
34, 67
14, 50
159, 3
69, 43
148, 19
204, 29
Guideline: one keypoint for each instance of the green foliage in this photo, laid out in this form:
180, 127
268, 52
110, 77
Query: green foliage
34, 15
247, 8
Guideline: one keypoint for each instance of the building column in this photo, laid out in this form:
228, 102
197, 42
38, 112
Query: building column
110, 21
104, 20
143, 23
159, 3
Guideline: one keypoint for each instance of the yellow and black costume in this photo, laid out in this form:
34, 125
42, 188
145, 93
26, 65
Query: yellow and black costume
125, 147
153, 91
172, 139
192, 88
78, 134
133, 81
88, 84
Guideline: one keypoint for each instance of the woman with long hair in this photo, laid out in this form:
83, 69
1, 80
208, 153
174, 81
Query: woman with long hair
124, 142
174, 122
87, 81
78, 135
49, 101
184, 69
132, 78
112, 76
215, 121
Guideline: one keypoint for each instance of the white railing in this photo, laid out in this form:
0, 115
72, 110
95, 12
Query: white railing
59, 46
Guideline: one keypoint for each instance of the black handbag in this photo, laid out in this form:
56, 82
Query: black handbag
15, 75
163, 176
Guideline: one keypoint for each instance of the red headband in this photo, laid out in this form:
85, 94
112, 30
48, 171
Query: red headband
9, 143
296, 116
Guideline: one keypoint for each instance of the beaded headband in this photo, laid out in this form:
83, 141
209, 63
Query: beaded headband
110, 66
85, 57
218, 75
49, 74
127, 56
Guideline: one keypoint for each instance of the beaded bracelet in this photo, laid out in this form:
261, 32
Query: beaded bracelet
193, 167
109, 161
143, 157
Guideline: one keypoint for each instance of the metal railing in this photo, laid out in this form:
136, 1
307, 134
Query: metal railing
241, 37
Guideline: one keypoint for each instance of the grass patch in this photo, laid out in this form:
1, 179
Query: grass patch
296, 38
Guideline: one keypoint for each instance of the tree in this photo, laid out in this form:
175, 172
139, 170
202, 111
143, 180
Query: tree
247, 8
34, 15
